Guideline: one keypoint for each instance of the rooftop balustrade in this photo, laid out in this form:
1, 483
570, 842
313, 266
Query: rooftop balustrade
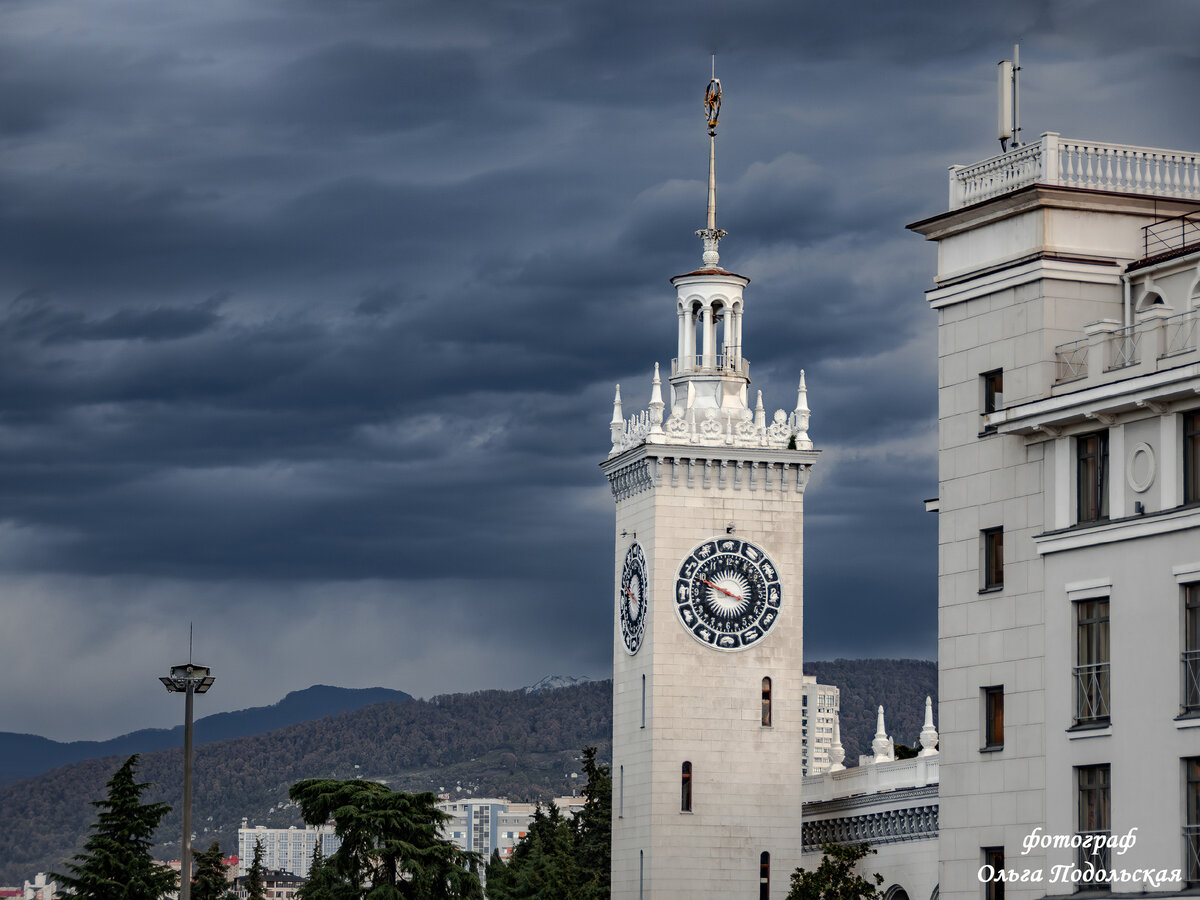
1055, 160
717, 364
1109, 351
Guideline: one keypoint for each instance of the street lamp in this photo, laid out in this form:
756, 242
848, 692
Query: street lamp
187, 679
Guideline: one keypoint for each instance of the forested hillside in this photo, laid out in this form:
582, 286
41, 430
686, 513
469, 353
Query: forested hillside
491, 743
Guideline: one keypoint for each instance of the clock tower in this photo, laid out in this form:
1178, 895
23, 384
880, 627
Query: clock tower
707, 624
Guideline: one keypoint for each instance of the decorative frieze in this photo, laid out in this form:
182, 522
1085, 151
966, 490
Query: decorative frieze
913, 823
630, 480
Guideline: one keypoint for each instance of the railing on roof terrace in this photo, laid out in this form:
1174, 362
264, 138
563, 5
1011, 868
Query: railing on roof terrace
1171, 234
1054, 160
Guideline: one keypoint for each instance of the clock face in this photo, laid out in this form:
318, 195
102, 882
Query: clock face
631, 598
727, 594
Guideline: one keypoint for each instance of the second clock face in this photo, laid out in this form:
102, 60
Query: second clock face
631, 598
727, 594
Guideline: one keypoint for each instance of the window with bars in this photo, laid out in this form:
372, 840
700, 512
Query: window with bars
1092, 677
1093, 818
1191, 649
1091, 457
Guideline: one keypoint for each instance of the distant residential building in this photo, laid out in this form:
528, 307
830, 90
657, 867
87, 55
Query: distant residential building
41, 888
819, 712
485, 825
284, 849
277, 885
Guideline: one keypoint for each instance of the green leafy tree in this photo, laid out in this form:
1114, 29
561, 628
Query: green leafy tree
835, 878
115, 863
391, 841
209, 881
256, 889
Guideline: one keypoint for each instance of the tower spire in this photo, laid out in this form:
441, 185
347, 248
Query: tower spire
711, 234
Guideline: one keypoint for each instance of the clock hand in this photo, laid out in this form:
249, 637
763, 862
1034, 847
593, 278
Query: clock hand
721, 589
630, 593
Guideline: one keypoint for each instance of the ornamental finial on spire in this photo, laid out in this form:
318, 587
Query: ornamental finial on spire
711, 234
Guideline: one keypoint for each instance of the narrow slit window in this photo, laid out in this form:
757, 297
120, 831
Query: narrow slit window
993, 718
764, 876
621, 795
766, 702
993, 391
1091, 457
643, 701
993, 558
685, 796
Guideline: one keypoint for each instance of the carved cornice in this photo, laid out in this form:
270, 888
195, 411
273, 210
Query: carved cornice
630, 480
914, 823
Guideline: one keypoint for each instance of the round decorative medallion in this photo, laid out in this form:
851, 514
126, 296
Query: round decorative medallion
631, 598
1141, 468
728, 593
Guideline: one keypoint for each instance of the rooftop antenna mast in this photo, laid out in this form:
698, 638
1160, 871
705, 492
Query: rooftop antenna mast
1009, 100
711, 234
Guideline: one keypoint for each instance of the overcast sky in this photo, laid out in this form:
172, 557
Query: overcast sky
310, 313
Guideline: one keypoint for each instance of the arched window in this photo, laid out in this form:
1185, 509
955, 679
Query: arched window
895, 892
764, 876
766, 702
685, 795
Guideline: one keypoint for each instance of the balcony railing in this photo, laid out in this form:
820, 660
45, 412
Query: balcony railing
1054, 160
1125, 344
1091, 694
1094, 861
1180, 332
1071, 360
1171, 235
1191, 680
719, 363
1191, 841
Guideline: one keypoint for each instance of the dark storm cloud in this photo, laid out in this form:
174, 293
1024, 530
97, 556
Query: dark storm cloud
310, 316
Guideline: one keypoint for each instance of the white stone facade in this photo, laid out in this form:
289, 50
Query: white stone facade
1044, 280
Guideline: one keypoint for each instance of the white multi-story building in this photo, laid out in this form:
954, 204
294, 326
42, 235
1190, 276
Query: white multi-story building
485, 825
819, 714
1069, 527
285, 849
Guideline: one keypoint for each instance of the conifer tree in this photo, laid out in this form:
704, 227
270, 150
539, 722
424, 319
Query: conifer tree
255, 888
115, 863
208, 875
324, 883
593, 845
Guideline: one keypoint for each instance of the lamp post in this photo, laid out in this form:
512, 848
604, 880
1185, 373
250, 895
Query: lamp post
187, 679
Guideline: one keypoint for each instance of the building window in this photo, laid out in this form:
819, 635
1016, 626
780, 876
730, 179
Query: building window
993, 390
1191, 648
643, 701
1191, 457
993, 718
1191, 825
1091, 456
685, 797
621, 795
1093, 819
764, 876
1091, 658
993, 888
993, 558
766, 702
641, 872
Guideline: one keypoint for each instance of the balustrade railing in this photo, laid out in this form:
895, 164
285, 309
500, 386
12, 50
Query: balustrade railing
1125, 344
1091, 694
1094, 862
1171, 234
1071, 360
1086, 164
1191, 680
1180, 332
719, 362
1191, 840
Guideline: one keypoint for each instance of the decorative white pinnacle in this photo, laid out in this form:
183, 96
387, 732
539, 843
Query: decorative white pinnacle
803, 441
760, 414
882, 745
711, 235
837, 752
656, 404
617, 426
929, 735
